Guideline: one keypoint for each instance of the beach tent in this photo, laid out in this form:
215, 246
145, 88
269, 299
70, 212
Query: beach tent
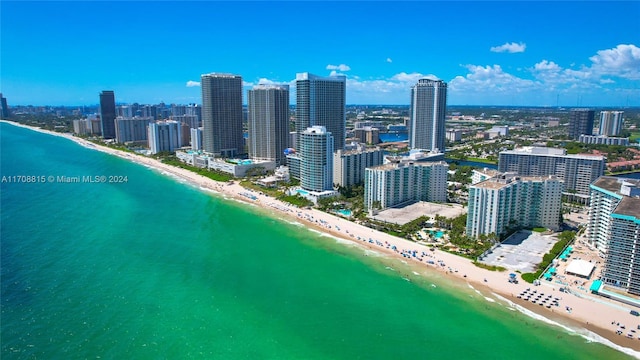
580, 268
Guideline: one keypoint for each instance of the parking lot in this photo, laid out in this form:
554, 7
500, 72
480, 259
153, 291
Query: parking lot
522, 251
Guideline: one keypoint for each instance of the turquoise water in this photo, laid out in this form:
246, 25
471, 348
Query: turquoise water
438, 234
156, 269
302, 192
345, 212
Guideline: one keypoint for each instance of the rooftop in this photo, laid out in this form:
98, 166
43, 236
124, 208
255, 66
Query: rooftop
628, 206
613, 184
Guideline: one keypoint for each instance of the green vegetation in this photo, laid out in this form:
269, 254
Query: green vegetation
211, 174
539, 229
564, 239
634, 137
489, 267
296, 200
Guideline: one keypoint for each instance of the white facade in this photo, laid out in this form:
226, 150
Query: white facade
611, 122
164, 136
509, 201
316, 160
576, 171
349, 165
454, 135
196, 139
614, 229
400, 183
132, 129
603, 140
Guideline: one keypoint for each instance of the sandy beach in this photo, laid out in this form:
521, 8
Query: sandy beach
595, 318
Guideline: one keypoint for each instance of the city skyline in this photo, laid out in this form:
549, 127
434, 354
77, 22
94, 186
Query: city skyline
65, 53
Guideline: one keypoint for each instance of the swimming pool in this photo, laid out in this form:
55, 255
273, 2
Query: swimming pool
345, 212
438, 234
302, 192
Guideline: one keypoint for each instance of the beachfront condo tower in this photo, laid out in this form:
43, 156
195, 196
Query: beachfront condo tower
164, 136
320, 101
611, 122
108, 114
427, 115
577, 171
614, 229
580, 123
402, 182
508, 201
222, 115
316, 159
268, 121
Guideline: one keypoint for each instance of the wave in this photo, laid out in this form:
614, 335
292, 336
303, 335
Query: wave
586, 334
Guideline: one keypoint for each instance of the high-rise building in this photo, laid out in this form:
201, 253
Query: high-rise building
611, 122
4, 108
196, 139
191, 120
427, 115
320, 101
316, 161
132, 129
576, 171
614, 229
349, 165
580, 123
403, 182
268, 122
108, 114
222, 114
164, 135
507, 200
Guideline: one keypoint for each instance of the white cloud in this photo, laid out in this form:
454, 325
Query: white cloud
545, 65
412, 78
389, 60
335, 73
510, 48
341, 67
622, 61
192, 83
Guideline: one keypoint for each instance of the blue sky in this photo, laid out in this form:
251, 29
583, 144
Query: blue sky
570, 53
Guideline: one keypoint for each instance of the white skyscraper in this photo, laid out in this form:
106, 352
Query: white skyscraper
268, 121
320, 101
611, 122
427, 115
316, 165
164, 136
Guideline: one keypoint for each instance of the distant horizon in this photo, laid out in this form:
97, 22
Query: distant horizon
571, 53
351, 105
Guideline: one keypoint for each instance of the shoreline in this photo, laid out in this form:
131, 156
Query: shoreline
588, 318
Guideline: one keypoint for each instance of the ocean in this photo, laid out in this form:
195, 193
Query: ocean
154, 268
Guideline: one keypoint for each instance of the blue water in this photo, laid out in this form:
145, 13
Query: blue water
152, 268
345, 212
394, 137
473, 164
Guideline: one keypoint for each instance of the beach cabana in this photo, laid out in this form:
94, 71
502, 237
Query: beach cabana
580, 268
